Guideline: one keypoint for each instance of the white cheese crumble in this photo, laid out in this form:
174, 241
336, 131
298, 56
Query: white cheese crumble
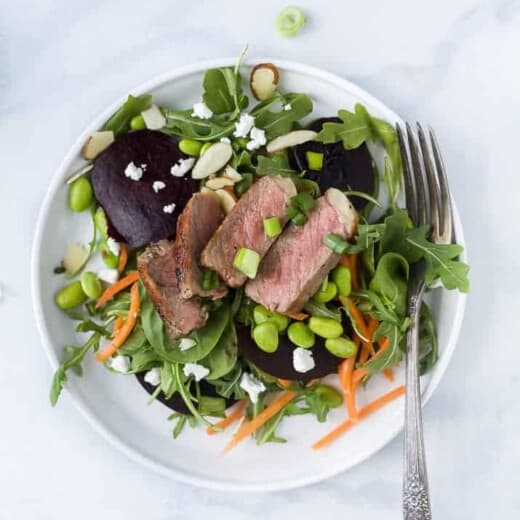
158, 185
119, 363
303, 360
133, 172
113, 246
182, 167
143, 167
252, 385
201, 110
244, 125
169, 208
108, 275
226, 140
258, 139
287, 107
195, 370
153, 376
186, 344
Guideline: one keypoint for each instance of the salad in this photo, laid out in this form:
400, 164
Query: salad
249, 250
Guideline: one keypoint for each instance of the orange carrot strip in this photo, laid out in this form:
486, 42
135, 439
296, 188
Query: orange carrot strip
356, 314
389, 374
368, 347
364, 412
123, 259
284, 382
346, 370
354, 272
298, 316
118, 323
359, 374
247, 429
117, 287
230, 419
127, 327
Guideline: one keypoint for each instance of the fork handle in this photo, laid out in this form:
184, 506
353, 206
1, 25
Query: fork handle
416, 496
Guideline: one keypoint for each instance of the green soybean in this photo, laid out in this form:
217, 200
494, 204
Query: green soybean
301, 335
91, 285
190, 147
100, 221
80, 194
325, 327
137, 123
70, 296
341, 347
324, 296
266, 336
261, 315
330, 396
342, 279
110, 259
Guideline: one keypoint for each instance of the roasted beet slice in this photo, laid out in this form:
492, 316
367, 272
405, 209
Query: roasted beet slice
175, 402
134, 209
280, 363
342, 169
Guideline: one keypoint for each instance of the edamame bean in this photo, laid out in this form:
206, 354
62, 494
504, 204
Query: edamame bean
91, 285
341, 347
70, 296
325, 327
324, 296
204, 148
107, 256
341, 277
137, 123
301, 335
100, 221
80, 194
190, 147
261, 314
330, 396
266, 336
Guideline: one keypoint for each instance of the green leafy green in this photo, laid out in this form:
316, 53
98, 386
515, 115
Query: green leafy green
183, 124
223, 357
393, 353
320, 309
133, 106
223, 91
428, 348
353, 131
274, 165
181, 420
144, 359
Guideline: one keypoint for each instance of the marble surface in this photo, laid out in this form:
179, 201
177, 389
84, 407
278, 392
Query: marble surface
452, 63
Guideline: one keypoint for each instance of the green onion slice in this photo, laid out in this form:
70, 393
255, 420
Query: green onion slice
247, 262
290, 21
272, 227
336, 243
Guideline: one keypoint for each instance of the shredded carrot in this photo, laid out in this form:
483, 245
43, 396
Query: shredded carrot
118, 323
236, 414
127, 327
248, 428
359, 374
368, 346
346, 370
389, 374
284, 382
364, 412
298, 316
117, 287
123, 259
354, 272
356, 315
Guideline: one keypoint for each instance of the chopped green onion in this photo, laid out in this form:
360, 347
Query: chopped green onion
272, 227
336, 243
362, 195
290, 21
314, 160
292, 211
299, 219
210, 280
305, 202
247, 262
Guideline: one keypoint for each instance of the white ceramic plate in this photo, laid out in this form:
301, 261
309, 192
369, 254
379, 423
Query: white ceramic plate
116, 405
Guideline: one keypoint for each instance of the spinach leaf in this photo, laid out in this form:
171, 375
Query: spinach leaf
223, 357
153, 326
396, 229
134, 343
133, 106
183, 124
168, 383
144, 359
229, 385
223, 91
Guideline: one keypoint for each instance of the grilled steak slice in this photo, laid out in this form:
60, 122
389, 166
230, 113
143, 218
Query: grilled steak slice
157, 269
298, 262
243, 226
195, 226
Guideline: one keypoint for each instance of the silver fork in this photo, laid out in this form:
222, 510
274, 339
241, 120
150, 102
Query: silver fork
428, 203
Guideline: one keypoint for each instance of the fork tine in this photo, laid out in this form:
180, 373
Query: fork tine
409, 185
433, 188
422, 210
446, 213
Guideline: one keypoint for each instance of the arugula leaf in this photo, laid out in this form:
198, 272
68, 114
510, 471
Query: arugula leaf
320, 309
168, 383
223, 91
181, 421
428, 347
88, 325
274, 165
392, 355
229, 385
353, 131
133, 106
396, 229
183, 124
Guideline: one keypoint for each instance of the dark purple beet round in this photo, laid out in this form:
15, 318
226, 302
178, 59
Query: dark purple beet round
280, 363
134, 210
175, 402
342, 169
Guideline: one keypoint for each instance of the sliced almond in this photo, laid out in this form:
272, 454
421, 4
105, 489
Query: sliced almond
264, 80
291, 139
214, 159
75, 257
96, 143
232, 174
218, 183
76, 175
227, 201
153, 118
346, 212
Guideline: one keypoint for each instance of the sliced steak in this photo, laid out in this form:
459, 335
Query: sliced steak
298, 262
157, 269
195, 226
243, 226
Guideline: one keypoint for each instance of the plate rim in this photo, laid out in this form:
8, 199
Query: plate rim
90, 416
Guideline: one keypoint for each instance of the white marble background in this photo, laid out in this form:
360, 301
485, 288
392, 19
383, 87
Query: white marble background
452, 63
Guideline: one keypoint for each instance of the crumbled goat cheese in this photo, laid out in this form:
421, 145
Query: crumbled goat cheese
201, 110
195, 370
158, 185
226, 140
287, 107
143, 167
113, 246
133, 172
153, 376
169, 208
119, 363
186, 344
182, 167
252, 385
258, 139
303, 360
244, 125
108, 275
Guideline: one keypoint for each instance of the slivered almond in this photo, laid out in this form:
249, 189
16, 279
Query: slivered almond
96, 143
153, 118
218, 182
227, 201
213, 159
79, 173
264, 80
75, 257
291, 139
232, 174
